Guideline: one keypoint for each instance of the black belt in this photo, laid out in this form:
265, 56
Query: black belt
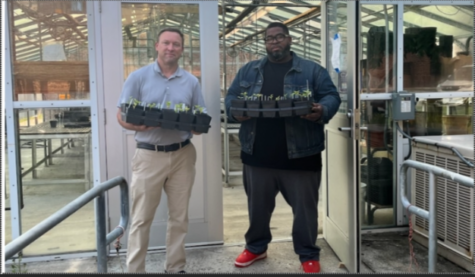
163, 148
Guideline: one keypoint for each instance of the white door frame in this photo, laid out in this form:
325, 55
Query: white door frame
342, 232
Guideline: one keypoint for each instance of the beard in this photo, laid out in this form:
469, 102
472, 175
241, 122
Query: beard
279, 55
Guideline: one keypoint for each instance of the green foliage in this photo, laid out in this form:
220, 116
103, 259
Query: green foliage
243, 96
295, 94
306, 94
278, 98
378, 118
151, 105
256, 96
199, 109
135, 103
182, 107
18, 267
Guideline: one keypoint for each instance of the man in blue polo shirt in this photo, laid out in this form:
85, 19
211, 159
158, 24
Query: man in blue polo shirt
164, 159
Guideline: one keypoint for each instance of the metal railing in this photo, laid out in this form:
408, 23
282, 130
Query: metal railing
103, 239
430, 215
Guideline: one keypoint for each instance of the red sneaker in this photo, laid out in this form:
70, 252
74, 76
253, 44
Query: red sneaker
311, 266
246, 258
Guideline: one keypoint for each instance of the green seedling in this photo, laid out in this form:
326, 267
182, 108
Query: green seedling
306, 93
199, 109
295, 94
151, 105
243, 96
18, 266
256, 96
133, 102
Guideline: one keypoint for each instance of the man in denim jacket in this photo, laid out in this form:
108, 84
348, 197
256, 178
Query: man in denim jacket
283, 153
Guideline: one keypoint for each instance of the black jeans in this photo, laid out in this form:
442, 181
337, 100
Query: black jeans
300, 191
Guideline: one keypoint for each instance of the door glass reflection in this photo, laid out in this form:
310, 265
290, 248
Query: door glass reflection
56, 168
49, 50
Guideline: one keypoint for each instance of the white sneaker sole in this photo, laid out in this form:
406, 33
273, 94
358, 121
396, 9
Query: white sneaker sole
260, 257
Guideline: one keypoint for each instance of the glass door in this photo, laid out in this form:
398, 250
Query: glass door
50, 122
377, 63
419, 49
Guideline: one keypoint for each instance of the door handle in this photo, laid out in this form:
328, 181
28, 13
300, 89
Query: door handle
354, 120
343, 129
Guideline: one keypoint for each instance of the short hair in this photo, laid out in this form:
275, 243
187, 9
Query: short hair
277, 24
173, 30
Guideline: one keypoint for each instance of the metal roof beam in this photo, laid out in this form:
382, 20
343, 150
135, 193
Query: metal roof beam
74, 27
305, 16
18, 36
406, 24
436, 17
230, 26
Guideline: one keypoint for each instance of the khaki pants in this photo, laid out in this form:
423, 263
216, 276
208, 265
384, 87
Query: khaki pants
153, 171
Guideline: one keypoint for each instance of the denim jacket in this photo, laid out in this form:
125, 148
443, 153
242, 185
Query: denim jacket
304, 137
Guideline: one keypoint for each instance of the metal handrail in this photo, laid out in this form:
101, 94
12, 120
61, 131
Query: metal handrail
103, 239
430, 215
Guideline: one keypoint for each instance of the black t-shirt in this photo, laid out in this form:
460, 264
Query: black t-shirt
270, 145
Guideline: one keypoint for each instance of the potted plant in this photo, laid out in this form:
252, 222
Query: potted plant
185, 118
169, 117
302, 102
269, 106
284, 106
254, 105
132, 112
202, 120
152, 115
238, 106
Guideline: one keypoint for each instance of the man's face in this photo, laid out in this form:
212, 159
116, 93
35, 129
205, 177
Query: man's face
277, 50
169, 47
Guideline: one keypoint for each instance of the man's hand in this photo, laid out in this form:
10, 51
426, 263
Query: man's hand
316, 114
141, 128
241, 118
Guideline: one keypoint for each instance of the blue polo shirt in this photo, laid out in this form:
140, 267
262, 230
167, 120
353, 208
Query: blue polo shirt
149, 85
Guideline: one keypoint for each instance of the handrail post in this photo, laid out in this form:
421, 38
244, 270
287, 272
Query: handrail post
432, 223
430, 215
97, 193
101, 233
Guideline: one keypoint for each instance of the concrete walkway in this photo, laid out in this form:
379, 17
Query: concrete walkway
381, 253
